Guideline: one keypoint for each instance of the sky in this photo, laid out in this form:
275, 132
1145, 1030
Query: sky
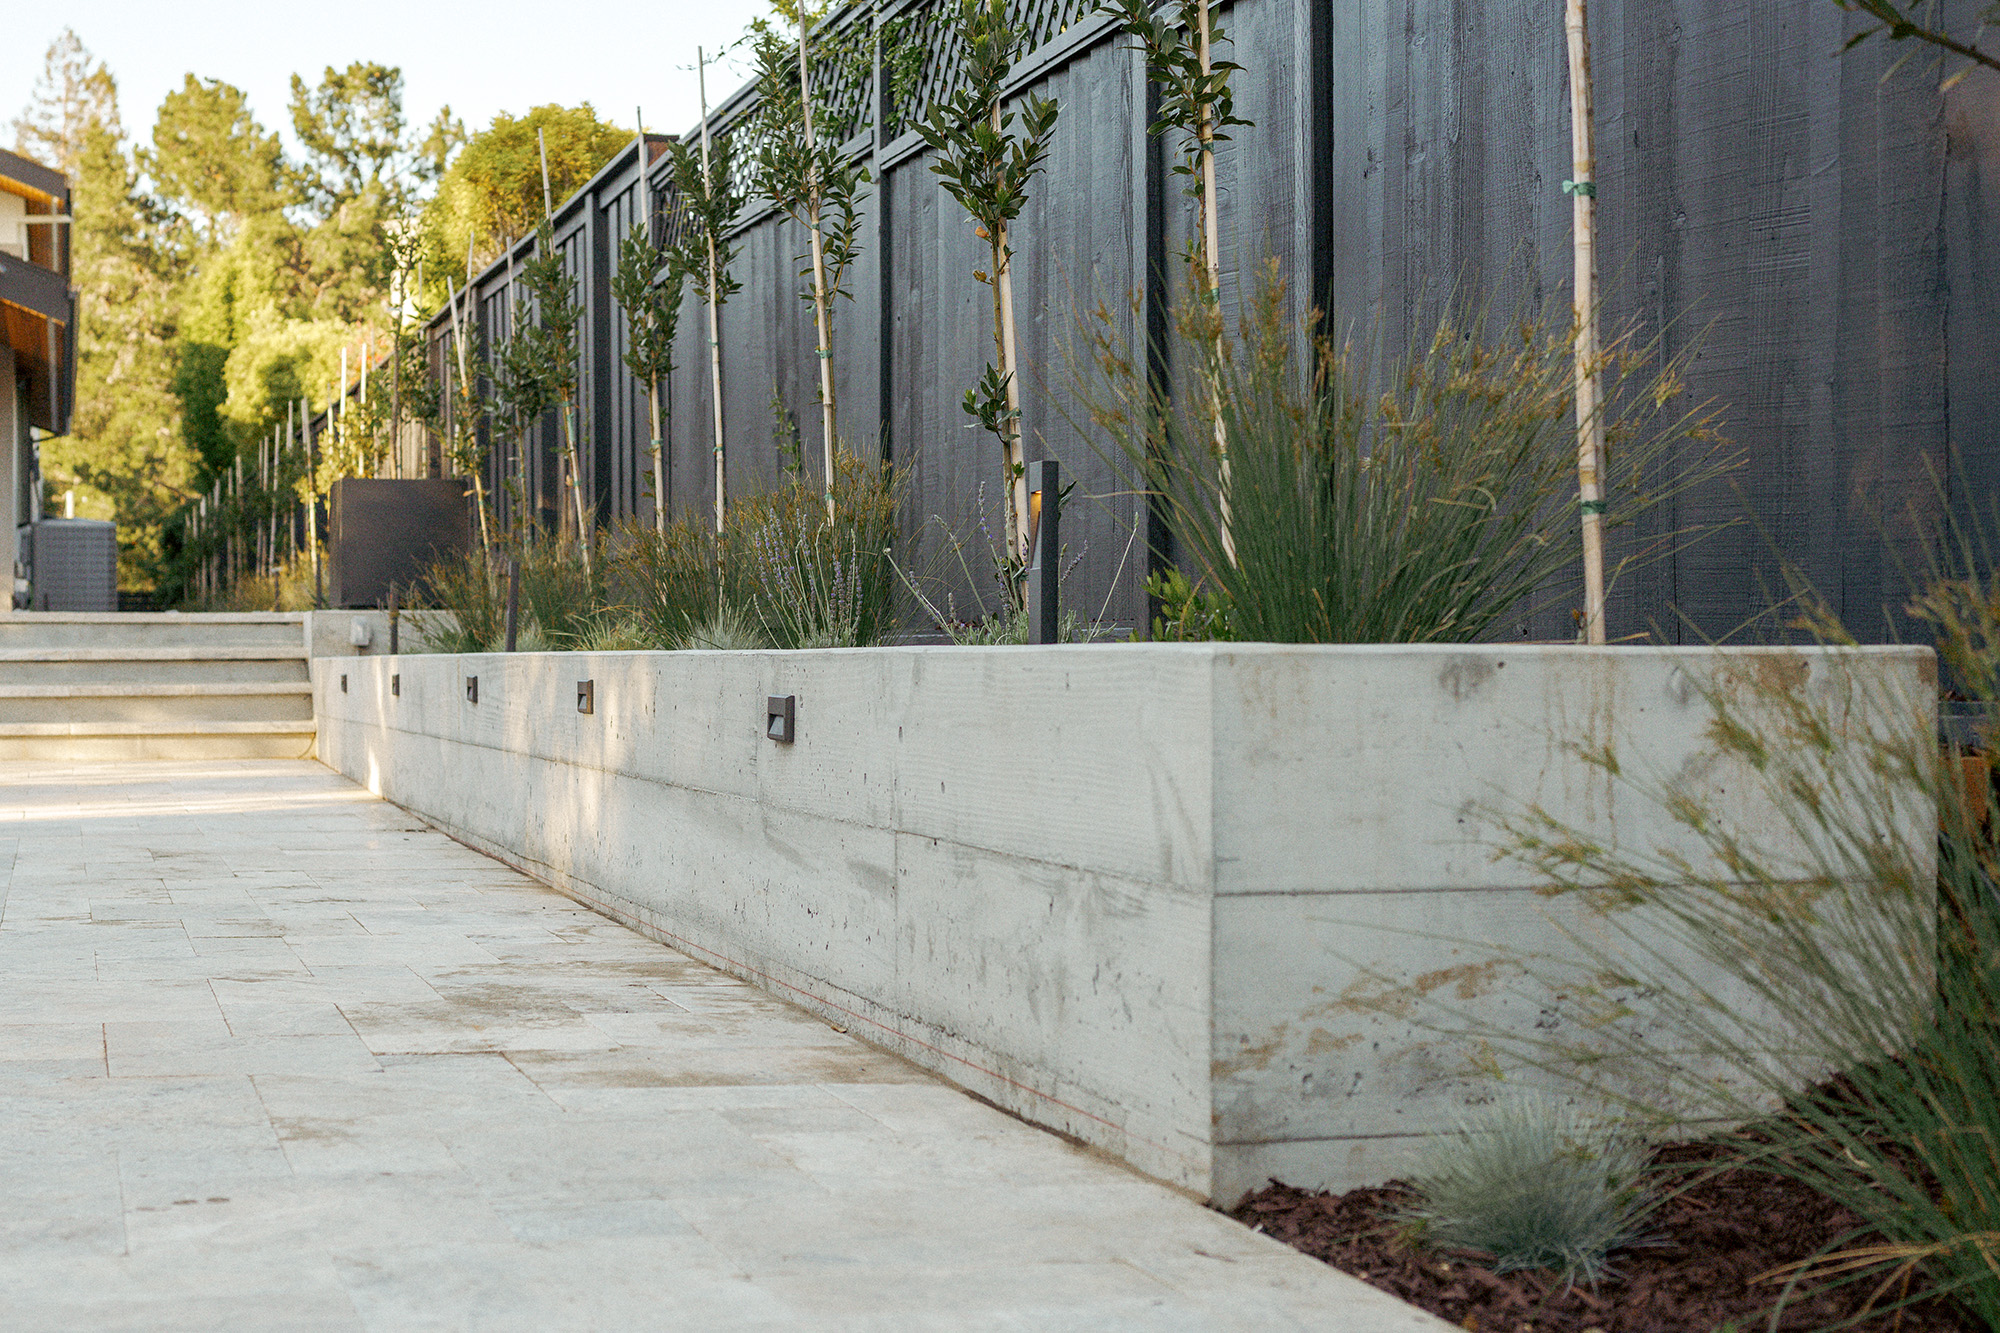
503, 55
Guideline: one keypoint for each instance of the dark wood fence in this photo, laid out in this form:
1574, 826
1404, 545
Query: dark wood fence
1830, 235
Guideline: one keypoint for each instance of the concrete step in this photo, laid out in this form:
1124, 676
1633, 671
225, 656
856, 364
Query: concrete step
152, 653
58, 672
15, 730
147, 686
27, 629
91, 743
241, 701
159, 691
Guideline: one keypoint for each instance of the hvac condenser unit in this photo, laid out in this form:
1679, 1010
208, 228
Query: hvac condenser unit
74, 565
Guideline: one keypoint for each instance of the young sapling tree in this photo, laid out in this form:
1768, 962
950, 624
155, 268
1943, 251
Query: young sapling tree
648, 288
1582, 190
1195, 102
985, 164
467, 455
709, 201
559, 314
804, 174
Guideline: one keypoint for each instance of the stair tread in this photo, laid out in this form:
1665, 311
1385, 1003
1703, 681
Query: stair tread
270, 653
170, 690
299, 727
151, 618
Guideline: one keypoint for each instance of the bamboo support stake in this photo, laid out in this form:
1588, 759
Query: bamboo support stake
465, 403
312, 497
1582, 190
714, 297
571, 455
822, 313
1211, 246
652, 384
396, 382
548, 200
271, 502
1004, 347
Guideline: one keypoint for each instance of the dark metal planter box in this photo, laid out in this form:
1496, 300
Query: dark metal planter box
385, 534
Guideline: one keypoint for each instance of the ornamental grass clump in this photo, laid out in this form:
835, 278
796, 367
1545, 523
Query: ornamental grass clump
1536, 1183
468, 586
1430, 499
1817, 952
561, 593
665, 577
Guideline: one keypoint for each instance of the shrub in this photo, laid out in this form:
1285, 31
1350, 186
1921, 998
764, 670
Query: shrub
1538, 1185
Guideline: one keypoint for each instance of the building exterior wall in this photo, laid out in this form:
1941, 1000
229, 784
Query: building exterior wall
12, 469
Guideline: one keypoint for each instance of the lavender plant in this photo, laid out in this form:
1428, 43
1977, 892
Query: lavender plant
815, 582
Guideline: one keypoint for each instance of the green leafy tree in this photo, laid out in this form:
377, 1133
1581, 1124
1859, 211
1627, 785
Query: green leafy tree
1197, 105
212, 161
358, 141
1916, 20
491, 194
985, 164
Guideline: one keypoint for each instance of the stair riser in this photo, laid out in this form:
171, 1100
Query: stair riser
151, 673
113, 749
186, 708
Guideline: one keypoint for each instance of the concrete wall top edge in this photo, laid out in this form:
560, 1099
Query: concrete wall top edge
1510, 651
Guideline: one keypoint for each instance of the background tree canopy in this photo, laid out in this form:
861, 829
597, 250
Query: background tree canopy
219, 278
491, 195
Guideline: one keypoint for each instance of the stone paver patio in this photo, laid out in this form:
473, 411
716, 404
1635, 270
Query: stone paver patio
274, 1056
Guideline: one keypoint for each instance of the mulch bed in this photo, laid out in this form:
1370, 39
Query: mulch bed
1714, 1239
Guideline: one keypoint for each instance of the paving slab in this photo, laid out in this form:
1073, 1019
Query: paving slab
275, 1055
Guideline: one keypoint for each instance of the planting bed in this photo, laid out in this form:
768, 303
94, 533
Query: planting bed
1711, 1243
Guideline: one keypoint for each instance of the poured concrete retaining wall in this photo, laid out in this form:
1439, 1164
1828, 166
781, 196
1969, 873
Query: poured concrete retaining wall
1126, 891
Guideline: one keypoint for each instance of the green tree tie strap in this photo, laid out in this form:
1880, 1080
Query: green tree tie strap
1592, 506
1587, 188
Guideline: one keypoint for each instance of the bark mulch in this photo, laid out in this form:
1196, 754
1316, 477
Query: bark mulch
1713, 1240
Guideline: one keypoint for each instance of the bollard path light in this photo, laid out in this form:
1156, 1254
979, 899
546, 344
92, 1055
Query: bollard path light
1045, 564
513, 600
